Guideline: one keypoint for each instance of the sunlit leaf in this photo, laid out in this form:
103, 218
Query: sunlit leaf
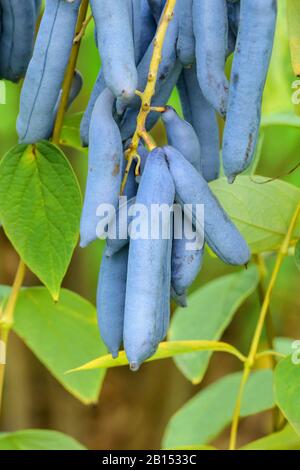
165, 351
287, 439
40, 205
262, 210
62, 335
38, 439
70, 135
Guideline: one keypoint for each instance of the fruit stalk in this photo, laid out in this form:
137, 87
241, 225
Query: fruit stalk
149, 91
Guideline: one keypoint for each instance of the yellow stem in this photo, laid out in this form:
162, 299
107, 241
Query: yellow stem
283, 251
270, 353
6, 320
158, 109
81, 33
149, 141
261, 265
147, 95
80, 28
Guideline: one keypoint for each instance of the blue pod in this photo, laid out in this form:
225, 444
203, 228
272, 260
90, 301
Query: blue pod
128, 124
113, 21
166, 67
182, 136
116, 244
201, 115
220, 233
248, 76
147, 259
144, 28
137, 27
233, 9
99, 86
211, 31
156, 7
46, 70
111, 300
186, 263
17, 37
105, 166
148, 29
186, 39
163, 321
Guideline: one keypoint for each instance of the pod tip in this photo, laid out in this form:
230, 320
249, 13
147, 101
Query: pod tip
108, 252
83, 243
231, 179
115, 354
134, 366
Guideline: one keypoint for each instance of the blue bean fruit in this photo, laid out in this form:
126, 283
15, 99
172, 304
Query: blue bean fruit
17, 37
46, 70
113, 21
111, 300
201, 115
104, 169
144, 309
249, 70
220, 233
211, 33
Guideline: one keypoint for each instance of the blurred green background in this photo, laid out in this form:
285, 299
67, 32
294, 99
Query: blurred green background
134, 409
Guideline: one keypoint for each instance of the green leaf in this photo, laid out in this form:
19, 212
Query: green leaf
283, 345
277, 94
201, 419
297, 255
289, 119
40, 204
286, 439
287, 388
62, 335
38, 439
70, 135
164, 351
210, 310
262, 210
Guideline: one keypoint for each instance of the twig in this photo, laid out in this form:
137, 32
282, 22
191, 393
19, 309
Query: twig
149, 91
70, 72
283, 251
